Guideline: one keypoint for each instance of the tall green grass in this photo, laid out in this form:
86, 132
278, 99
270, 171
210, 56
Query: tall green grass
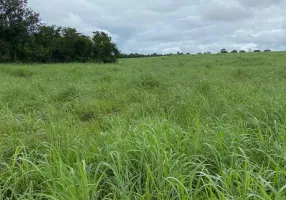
180, 127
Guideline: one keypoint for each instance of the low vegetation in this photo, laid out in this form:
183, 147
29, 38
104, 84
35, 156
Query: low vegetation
179, 127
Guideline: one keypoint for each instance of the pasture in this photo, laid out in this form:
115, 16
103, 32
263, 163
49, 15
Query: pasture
177, 127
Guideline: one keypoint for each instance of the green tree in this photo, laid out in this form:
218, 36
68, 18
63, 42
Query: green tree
83, 48
74, 47
24, 38
17, 23
66, 48
223, 51
48, 39
104, 50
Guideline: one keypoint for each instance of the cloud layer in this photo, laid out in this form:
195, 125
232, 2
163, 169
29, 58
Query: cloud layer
168, 26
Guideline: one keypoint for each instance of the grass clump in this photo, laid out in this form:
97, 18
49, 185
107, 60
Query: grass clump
240, 74
22, 72
67, 94
149, 81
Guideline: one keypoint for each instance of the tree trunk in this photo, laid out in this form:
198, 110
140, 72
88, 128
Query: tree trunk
15, 55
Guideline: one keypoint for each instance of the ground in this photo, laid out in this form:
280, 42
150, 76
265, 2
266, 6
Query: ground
177, 127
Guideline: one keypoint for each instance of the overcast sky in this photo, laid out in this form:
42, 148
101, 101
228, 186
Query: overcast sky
168, 26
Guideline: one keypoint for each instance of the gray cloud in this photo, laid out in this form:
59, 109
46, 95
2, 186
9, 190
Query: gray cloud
260, 3
225, 11
171, 25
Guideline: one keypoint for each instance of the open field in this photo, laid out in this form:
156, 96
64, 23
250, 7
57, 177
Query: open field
179, 127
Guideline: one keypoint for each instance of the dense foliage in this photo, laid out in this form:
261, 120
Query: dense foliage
24, 38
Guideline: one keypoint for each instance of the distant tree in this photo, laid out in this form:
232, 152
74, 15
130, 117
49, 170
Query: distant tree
234, 51
83, 49
180, 53
188, 53
256, 51
137, 55
48, 41
267, 50
74, 47
66, 50
199, 53
104, 50
17, 23
224, 51
242, 51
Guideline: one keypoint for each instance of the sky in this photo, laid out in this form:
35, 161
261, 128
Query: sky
168, 26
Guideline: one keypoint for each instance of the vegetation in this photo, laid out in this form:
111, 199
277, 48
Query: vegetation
179, 127
223, 51
207, 52
24, 38
138, 55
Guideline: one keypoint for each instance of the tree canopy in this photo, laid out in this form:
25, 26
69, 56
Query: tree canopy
223, 51
24, 38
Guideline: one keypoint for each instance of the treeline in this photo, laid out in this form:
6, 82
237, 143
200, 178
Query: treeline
23, 37
138, 55
243, 51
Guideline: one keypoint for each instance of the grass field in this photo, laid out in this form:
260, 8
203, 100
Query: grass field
179, 127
